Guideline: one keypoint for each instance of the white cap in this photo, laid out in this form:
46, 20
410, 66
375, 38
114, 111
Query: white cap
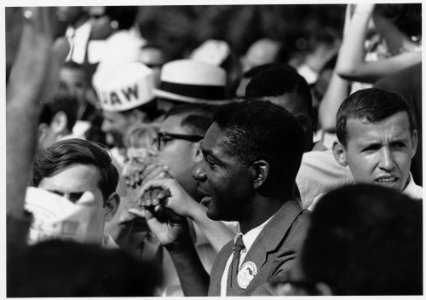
125, 87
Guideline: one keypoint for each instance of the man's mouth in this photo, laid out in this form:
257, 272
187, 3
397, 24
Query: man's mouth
386, 180
206, 201
206, 197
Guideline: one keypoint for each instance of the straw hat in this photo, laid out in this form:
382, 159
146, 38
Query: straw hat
192, 81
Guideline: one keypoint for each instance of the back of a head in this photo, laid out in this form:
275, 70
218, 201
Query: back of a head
60, 103
365, 240
373, 105
262, 130
198, 117
66, 269
277, 81
256, 70
60, 155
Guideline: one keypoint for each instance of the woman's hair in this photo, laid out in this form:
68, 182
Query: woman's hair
406, 17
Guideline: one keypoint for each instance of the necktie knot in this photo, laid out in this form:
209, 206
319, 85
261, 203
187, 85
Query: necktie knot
238, 244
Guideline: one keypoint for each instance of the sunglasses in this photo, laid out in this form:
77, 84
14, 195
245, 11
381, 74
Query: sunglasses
164, 137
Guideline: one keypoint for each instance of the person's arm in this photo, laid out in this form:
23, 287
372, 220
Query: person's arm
337, 89
351, 64
180, 202
33, 78
172, 232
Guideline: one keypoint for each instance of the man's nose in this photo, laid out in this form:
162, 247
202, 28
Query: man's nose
198, 172
386, 159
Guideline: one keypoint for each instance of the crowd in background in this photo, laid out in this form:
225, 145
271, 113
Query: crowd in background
214, 150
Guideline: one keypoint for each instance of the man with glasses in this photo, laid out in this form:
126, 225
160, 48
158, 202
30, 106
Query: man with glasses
178, 150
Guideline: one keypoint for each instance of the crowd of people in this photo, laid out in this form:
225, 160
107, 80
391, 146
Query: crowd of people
133, 172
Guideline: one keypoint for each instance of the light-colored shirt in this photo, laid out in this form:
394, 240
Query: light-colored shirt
320, 173
413, 190
248, 240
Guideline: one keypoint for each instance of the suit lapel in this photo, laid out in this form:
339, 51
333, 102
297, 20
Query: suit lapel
272, 235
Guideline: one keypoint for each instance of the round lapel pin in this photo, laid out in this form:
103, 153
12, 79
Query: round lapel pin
246, 274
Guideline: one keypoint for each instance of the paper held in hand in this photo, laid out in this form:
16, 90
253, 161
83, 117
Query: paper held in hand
55, 217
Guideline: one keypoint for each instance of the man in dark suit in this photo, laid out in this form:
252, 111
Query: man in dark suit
247, 175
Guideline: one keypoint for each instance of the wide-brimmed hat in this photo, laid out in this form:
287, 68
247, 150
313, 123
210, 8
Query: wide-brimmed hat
193, 82
125, 87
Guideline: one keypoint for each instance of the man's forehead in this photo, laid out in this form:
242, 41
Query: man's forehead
213, 139
397, 125
173, 124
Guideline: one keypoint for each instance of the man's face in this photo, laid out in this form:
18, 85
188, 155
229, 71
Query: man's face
295, 105
380, 152
72, 182
74, 83
226, 184
179, 155
115, 125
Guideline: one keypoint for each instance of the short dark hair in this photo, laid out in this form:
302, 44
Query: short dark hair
372, 104
365, 239
60, 155
257, 69
199, 116
261, 130
277, 81
124, 15
60, 102
59, 268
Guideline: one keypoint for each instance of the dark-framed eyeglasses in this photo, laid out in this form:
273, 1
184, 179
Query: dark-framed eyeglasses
164, 137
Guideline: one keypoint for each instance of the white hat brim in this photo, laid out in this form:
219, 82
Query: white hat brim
177, 97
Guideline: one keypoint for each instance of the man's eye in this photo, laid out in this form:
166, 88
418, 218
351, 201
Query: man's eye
211, 163
398, 145
371, 148
74, 197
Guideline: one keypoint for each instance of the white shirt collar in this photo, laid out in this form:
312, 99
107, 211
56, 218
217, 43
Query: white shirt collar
413, 190
252, 234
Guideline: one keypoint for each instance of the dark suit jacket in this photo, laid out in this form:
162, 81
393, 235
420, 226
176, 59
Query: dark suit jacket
273, 251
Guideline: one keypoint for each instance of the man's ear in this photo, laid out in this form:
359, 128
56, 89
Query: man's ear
339, 153
260, 170
42, 131
59, 122
415, 140
111, 207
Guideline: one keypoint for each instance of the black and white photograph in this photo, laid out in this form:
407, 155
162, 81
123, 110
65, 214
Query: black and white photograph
212, 149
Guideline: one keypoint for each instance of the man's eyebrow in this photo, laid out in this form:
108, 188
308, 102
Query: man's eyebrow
207, 152
56, 192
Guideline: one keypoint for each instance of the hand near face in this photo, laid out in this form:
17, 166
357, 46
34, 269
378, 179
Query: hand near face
168, 227
171, 195
140, 169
